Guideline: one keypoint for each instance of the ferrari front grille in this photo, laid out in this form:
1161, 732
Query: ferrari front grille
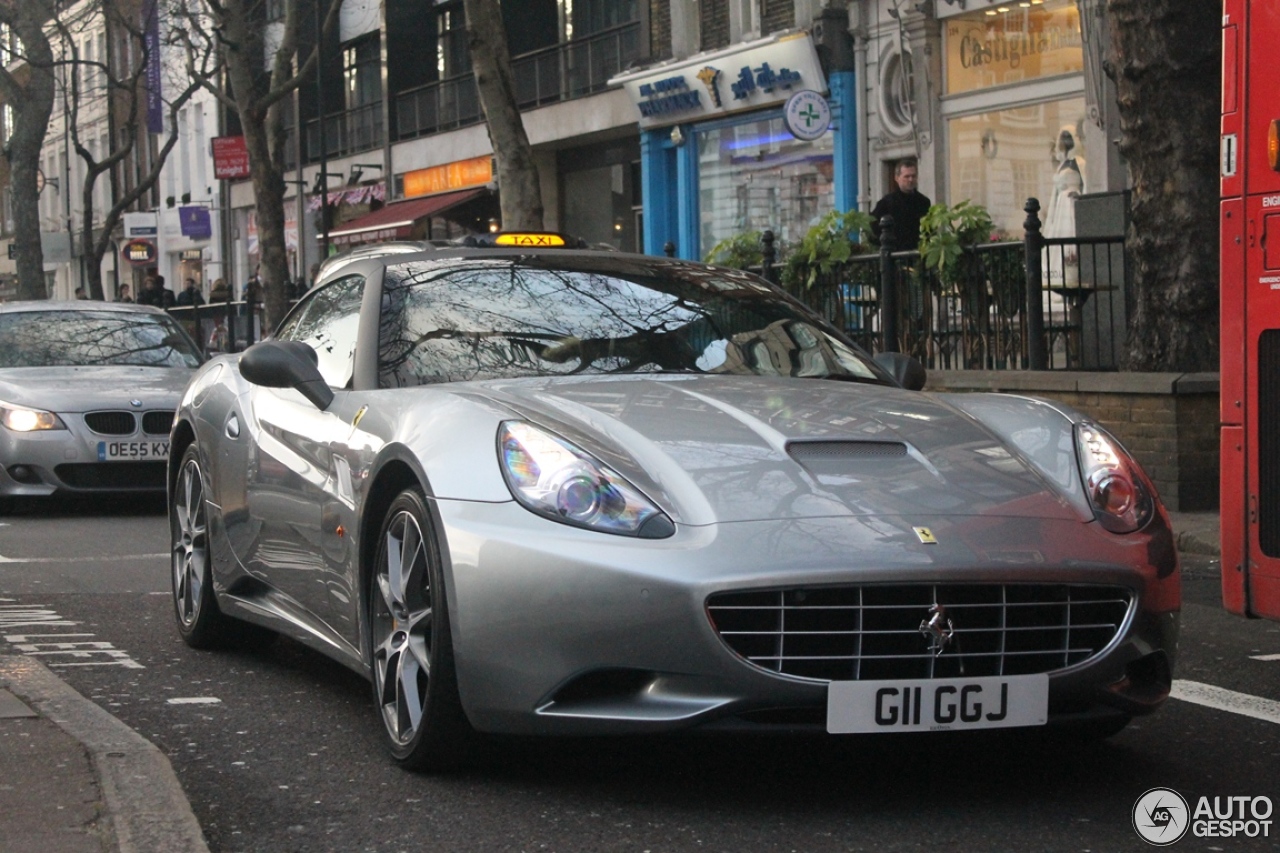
111, 423
881, 631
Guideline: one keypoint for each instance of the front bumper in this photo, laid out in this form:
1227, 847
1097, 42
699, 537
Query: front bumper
563, 631
69, 461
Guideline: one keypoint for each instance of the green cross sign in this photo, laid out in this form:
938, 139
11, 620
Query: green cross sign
809, 114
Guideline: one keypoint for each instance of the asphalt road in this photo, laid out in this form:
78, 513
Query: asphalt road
278, 751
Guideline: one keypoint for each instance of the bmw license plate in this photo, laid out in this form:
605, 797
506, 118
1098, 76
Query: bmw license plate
937, 704
132, 451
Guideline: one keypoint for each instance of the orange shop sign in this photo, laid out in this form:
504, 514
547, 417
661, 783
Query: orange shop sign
450, 176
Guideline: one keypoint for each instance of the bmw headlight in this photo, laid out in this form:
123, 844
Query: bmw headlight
22, 419
1117, 488
553, 478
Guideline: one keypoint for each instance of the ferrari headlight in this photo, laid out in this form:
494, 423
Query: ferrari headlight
1117, 488
22, 419
553, 478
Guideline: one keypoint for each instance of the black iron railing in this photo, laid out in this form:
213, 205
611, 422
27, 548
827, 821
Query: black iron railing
980, 318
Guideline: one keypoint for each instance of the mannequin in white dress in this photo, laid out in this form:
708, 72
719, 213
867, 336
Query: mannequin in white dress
1061, 265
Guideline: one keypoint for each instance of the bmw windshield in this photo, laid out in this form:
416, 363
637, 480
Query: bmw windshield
448, 321
89, 337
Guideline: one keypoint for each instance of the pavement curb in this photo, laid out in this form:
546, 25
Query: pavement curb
147, 808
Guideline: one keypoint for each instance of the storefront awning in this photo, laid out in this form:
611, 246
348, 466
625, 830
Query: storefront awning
396, 221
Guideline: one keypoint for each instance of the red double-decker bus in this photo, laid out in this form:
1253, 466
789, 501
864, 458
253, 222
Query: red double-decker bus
1250, 306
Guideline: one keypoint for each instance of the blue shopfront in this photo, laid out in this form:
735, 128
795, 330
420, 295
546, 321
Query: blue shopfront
748, 138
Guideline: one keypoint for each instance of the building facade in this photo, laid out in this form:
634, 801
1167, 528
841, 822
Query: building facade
657, 125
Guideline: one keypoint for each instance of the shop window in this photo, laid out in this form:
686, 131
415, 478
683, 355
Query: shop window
999, 159
754, 175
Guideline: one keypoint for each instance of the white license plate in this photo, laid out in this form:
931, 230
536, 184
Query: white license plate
937, 704
132, 451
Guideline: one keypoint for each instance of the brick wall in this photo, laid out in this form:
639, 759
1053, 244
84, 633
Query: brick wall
1169, 421
777, 15
714, 20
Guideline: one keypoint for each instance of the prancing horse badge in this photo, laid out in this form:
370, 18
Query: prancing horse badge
926, 535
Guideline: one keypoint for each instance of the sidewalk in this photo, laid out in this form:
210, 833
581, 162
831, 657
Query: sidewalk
74, 779
1198, 532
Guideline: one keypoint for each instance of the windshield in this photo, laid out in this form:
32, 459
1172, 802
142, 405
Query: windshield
543, 316
84, 338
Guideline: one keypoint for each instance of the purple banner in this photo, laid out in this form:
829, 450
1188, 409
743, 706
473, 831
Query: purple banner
155, 104
195, 222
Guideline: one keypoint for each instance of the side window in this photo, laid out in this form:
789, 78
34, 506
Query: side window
329, 321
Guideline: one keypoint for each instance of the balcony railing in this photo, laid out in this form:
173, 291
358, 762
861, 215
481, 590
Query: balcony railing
346, 132
557, 73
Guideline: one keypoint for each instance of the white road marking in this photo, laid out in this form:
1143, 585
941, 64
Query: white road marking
1264, 657
105, 559
196, 700
1222, 699
57, 645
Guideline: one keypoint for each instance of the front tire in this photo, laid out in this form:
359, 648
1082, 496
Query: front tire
415, 685
200, 623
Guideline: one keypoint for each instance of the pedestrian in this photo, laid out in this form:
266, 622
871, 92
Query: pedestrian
906, 204
167, 299
124, 294
149, 294
219, 292
80, 294
218, 336
253, 289
190, 294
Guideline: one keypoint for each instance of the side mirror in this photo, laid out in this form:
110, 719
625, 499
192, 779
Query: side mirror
286, 364
906, 370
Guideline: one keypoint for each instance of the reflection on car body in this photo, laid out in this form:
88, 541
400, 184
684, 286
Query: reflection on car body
564, 491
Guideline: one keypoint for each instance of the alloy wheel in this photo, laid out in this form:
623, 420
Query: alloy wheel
402, 628
190, 543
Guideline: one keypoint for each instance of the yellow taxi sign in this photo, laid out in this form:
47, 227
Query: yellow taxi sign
535, 239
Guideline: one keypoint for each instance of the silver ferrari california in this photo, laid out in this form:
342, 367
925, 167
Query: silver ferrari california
87, 395
566, 492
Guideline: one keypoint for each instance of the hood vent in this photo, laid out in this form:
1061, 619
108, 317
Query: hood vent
809, 452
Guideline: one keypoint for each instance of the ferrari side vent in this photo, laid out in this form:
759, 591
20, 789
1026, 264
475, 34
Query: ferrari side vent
111, 423
836, 451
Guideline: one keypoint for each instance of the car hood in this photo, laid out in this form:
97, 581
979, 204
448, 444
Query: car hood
716, 449
82, 389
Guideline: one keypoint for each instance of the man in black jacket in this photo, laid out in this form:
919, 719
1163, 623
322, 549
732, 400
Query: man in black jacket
906, 205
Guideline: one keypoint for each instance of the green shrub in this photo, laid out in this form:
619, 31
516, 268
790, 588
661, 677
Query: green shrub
830, 242
945, 232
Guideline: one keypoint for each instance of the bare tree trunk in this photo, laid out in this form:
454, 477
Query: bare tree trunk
257, 94
32, 103
1165, 58
521, 191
